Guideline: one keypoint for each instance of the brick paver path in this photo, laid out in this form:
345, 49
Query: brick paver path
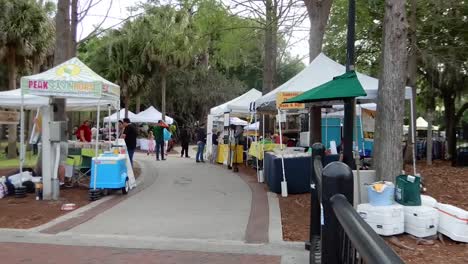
58, 254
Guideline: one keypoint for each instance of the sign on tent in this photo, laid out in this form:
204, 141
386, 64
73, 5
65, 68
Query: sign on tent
283, 96
368, 124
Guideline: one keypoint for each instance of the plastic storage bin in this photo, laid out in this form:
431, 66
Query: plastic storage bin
421, 221
407, 190
385, 220
383, 198
453, 222
428, 201
111, 171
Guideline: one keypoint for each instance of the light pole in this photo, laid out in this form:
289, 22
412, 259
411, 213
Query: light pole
349, 104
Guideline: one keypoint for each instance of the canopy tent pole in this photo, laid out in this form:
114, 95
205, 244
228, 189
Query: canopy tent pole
326, 128
109, 127
413, 136
117, 129
356, 158
256, 140
284, 184
21, 163
96, 145
362, 132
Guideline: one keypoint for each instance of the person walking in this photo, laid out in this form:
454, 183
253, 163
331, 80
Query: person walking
201, 141
184, 142
130, 134
214, 140
158, 131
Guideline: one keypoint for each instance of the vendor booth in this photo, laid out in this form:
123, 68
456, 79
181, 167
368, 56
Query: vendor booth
231, 110
74, 81
320, 71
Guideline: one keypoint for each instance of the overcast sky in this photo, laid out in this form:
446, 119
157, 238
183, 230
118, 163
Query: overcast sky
118, 12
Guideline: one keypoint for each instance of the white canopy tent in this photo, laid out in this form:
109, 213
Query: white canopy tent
12, 100
70, 79
115, 117
151, 115
254, 126
240, 105
422, 124
321, 70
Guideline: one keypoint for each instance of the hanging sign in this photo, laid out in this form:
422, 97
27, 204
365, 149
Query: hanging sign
283, 96
368, 124
9, 117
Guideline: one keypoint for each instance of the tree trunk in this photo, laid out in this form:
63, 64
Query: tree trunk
126, 100
163, 72
450, 131
62, 29
318, 12
73, 27
388, 156
12, 129
138, 104
412, 77
36, 65
430, 118
270, 48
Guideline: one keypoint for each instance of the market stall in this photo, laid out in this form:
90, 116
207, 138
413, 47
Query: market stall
233, 109
71, 79
320, 71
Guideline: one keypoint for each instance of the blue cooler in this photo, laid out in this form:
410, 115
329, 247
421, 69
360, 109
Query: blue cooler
111, 171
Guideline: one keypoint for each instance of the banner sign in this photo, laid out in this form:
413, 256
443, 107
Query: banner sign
9, 117
368, 124
283, 96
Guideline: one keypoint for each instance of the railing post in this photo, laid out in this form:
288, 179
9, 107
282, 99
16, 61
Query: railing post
318, 151
337, 177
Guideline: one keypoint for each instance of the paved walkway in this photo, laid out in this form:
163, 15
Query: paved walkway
183, 212
187, 200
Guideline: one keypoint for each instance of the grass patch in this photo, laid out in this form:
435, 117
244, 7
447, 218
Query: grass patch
5, 163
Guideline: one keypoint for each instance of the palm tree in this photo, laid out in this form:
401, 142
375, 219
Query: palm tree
23, 24
168, 43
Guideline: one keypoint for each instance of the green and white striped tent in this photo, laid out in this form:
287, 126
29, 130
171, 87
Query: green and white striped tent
70, 79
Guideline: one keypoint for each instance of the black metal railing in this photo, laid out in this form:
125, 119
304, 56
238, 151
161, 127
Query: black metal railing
343, 237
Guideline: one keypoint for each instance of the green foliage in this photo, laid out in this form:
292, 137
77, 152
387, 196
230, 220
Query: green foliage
208, 55
25, 26
369, 16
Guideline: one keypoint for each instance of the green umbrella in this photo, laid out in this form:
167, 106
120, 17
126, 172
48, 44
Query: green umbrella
340, 88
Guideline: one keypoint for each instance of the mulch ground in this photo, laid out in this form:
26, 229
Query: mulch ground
445, 183
23, 213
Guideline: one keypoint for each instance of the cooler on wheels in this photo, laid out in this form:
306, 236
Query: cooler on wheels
109, 171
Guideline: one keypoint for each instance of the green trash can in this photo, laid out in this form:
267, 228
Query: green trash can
407, 190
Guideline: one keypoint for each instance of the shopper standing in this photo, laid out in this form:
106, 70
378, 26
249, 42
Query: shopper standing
214, 140
184, 142
201, 141
158, 132
130, 134
84, 133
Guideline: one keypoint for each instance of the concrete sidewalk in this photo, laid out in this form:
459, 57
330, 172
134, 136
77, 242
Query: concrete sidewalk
187, 200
